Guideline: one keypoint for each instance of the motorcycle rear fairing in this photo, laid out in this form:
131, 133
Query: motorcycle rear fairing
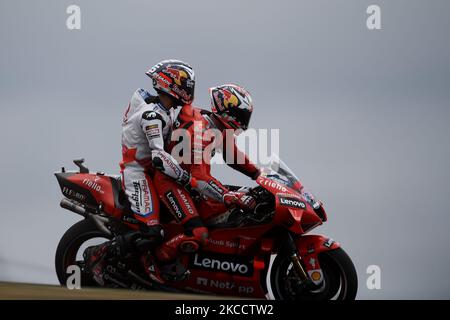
94, 190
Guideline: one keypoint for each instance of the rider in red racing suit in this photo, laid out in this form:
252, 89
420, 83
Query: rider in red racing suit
193, 122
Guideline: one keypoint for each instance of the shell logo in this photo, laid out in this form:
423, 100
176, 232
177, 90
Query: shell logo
316, 276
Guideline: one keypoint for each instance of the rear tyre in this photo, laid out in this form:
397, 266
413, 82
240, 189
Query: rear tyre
69, 246
340, 279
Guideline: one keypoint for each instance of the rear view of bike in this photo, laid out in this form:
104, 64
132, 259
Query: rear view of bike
98, 198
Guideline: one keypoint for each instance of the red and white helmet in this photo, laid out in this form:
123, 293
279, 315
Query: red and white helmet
232, 105
175, 78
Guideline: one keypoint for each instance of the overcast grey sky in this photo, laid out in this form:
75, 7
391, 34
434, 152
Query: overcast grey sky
363, 115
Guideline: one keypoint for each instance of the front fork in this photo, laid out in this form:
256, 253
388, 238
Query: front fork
292, 251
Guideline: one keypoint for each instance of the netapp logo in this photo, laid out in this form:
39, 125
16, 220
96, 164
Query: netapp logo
224, 285
292, 202
225, 263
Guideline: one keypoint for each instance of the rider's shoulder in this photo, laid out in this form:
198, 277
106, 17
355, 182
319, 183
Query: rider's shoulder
186, 110
147, 106
189, 113
143, 97
153, 111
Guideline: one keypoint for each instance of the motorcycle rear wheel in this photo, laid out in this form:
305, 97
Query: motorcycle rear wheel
340, 279
70, 244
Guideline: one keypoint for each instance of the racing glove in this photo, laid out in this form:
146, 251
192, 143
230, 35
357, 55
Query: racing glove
198, 187
185, 179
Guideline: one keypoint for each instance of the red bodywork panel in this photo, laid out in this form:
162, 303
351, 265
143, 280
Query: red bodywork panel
93, 190
292, 211
101, 189
309, 248
232, 263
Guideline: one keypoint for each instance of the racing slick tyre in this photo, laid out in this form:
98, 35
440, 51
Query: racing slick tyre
340, 281
69, 247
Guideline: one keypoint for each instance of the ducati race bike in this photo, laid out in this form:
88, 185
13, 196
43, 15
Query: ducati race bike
265, 253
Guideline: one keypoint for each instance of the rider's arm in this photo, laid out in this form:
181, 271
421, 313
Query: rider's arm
239, 160
212, 188
153, 124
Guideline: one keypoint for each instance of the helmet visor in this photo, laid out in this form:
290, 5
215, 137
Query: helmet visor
241, 117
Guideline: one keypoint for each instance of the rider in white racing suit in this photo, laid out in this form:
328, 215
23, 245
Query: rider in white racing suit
146, 128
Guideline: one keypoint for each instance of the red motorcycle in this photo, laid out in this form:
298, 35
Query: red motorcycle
265, 253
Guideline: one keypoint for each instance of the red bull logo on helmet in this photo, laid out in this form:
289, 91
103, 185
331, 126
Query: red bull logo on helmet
225, 99
229, 99
177, 74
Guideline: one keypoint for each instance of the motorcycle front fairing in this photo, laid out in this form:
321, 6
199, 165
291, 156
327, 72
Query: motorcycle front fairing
295, 207
298, 211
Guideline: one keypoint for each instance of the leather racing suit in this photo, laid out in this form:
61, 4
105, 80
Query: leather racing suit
146, 130
195, 120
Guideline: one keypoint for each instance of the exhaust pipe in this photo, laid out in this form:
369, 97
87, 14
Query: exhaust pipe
78, 209
72, 206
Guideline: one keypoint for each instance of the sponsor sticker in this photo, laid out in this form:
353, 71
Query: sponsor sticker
329, 243
224, 285
152, 132
152, 126
273, 184
175, 205
185, 201
144, 94
73, 194
94, 184
153, 115
141, 198
316, 276
292, 202
216, 187
223, 263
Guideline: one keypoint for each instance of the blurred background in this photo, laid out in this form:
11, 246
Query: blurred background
363, 115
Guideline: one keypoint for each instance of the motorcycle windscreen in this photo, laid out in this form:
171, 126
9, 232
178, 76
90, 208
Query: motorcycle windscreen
278, 171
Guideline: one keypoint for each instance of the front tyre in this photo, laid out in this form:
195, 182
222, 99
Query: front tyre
340, 281
70, 245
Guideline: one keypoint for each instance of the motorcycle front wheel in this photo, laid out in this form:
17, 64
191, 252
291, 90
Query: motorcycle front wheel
340, 281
